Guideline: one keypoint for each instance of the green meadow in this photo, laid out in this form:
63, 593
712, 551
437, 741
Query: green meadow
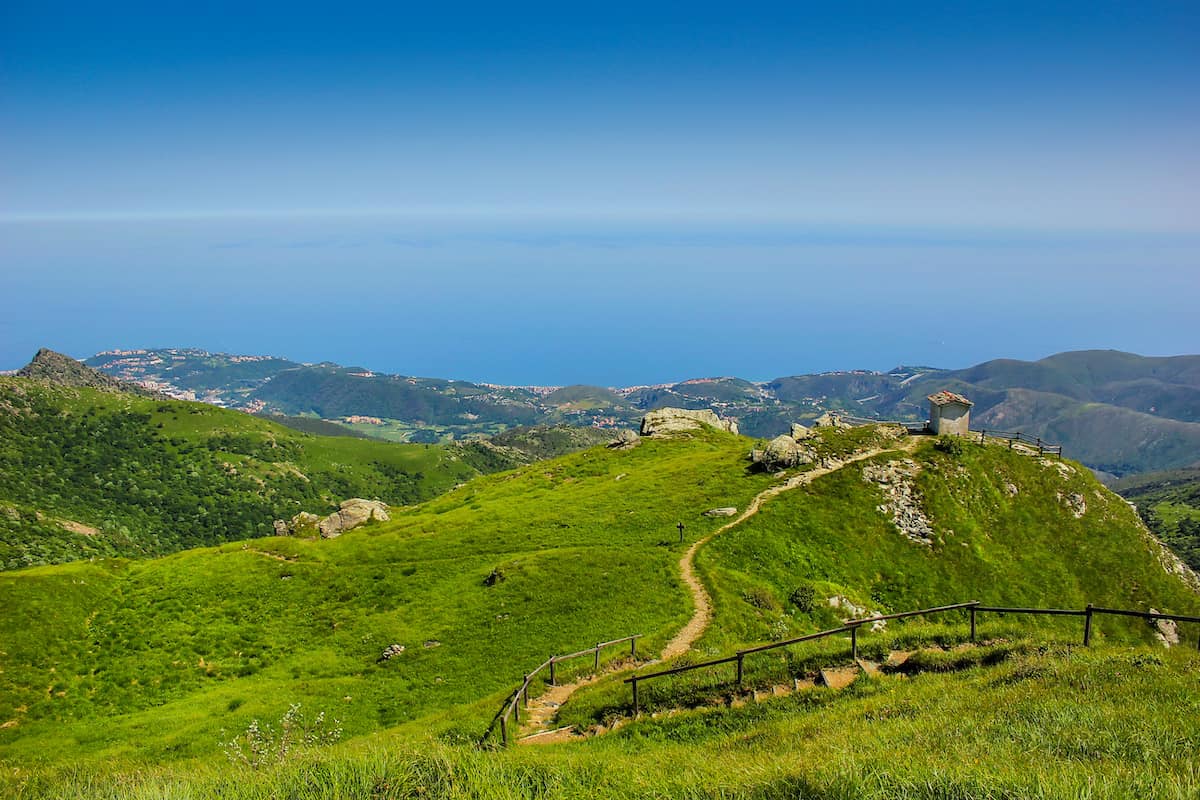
127, 678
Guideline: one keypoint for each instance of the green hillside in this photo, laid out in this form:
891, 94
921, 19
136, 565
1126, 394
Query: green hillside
1118, 412
115, 667
581, 549
87, 473
1169, 504
584, 397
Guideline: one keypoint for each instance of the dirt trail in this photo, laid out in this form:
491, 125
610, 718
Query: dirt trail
702, 603
543, 709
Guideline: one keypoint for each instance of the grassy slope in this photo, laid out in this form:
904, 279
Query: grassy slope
156, 475
189, 644
124, 642
1169, 503
1026, 549
1057, 724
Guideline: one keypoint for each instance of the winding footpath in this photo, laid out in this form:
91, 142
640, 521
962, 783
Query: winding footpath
544, 708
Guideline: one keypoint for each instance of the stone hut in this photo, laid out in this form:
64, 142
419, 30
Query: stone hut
949, 413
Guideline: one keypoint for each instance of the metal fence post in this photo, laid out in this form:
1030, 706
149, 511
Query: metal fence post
504, 730
972, 624
633, 647
552, 683
741, 658
636, 707
516, 707
854, 643
1087, 626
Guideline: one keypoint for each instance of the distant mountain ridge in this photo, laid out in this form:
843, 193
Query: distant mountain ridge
1118, 412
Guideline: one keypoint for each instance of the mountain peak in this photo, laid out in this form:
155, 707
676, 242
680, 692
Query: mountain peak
50, 366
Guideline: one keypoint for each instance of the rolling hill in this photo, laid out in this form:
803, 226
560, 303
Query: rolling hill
1119, 413
87, 472
132, 673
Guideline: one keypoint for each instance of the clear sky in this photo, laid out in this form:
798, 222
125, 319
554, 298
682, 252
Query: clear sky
607, 193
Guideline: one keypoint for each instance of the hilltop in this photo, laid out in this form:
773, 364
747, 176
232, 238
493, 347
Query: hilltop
57, 369
1119, 413
418, 627
88, 472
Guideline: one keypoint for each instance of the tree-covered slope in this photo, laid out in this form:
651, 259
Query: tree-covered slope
93, 473
1169, 504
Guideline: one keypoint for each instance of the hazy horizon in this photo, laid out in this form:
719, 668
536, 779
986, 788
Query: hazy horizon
550, 195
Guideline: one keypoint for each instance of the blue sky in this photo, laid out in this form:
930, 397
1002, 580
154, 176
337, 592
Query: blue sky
613, 194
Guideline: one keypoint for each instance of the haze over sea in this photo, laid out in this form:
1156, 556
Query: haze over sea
603, 196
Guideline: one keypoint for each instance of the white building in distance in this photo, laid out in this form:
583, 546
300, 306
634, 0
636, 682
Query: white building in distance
949, 413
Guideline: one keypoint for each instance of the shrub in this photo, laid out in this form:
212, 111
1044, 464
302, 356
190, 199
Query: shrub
262, 744
760, 598
802, 598
950, 445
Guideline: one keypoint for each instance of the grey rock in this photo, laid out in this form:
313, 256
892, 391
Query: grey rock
625, 440
391, 651
725, 511
800, 432
830, 420
667, 421
1165, 630
782, 452
350, 514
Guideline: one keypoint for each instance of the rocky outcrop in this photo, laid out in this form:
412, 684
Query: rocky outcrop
725, 511
782, 452
902, 500
1165, 630
390, 652
48, 366
350, 514
1074, 503
625, 440
667, 421
800, 433
830, 420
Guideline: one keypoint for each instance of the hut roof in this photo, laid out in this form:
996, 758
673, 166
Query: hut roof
946, 397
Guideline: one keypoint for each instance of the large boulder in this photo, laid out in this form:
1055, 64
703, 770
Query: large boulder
625, 440
667, 421
782, 452
723, 511
829, 420
800, 433
350, 514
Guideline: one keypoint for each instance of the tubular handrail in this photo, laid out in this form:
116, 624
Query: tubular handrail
1048, 611
511, 707
918, 612
852, 626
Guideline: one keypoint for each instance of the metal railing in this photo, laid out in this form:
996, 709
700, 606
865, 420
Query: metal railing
510, 711
851, 626
1015, 437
